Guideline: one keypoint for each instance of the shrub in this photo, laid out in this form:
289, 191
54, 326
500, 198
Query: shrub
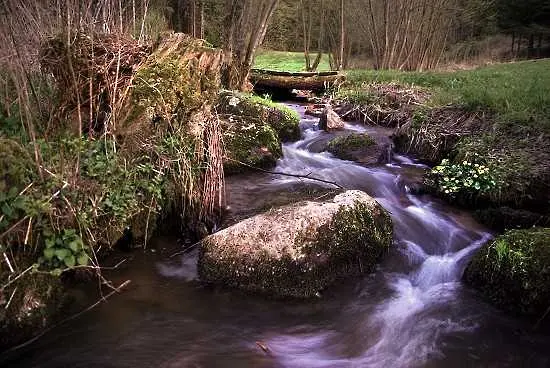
466, 177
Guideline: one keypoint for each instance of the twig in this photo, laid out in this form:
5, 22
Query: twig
537, 325
263, 346
8, 262
18, 277
186, 249
287, 174
11, 298
115, 290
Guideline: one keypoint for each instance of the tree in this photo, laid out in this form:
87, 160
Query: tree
406, 34
308, 17
528, 19
188, 17
245, 27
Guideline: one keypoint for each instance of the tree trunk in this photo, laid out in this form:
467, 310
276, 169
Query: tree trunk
245, 27
342, 36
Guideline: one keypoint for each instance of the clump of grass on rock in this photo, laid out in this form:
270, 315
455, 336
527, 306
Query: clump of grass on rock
513, 271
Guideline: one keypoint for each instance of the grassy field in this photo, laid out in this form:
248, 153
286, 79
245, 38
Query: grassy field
518, 92
286, 60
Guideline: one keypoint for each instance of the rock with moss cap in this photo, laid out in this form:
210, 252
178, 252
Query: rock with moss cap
253, 129
513, 271
299, 249
282, 119
360, 148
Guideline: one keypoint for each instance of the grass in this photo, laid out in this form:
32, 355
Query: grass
286, 61
517, 92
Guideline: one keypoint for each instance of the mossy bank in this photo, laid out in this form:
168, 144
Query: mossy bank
494, 117
70, 195
513, 272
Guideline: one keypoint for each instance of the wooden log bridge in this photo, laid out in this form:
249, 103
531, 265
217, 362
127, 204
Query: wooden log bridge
263, 79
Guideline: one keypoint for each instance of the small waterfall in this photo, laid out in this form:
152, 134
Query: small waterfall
434, 245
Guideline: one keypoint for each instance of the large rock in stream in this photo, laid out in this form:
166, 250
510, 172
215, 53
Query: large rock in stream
299, 249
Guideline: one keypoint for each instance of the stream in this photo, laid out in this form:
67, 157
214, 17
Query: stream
412, 312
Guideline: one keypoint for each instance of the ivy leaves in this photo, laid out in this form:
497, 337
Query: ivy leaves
63, 251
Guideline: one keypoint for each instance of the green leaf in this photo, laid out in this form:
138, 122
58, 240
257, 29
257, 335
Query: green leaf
83, 259
13, 192
7, 210
50, 243
69, 261
61, 253
74, 245
48, 253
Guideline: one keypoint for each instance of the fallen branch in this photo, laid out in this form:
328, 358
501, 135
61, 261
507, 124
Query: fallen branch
287, 174
116, 290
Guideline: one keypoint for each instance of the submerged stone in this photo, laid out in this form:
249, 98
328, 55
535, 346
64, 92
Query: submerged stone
299, 249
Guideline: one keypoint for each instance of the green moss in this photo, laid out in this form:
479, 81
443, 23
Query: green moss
284, 120
251, 142
16, 165
513, 271
344, 146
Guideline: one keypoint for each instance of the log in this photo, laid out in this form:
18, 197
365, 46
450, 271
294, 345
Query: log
312, 81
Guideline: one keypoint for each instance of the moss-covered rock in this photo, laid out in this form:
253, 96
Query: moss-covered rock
253, 129
249, 142
513, 271
358, 147
299, 249
284, 120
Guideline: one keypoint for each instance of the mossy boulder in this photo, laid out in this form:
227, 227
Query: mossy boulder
249, 142
358, 147
299, 249
513, 271
253, 129
284, 120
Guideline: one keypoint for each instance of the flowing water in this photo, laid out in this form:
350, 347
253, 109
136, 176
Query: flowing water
412, 312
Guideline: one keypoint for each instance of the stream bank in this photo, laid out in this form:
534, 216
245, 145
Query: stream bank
497, 169
413, 311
